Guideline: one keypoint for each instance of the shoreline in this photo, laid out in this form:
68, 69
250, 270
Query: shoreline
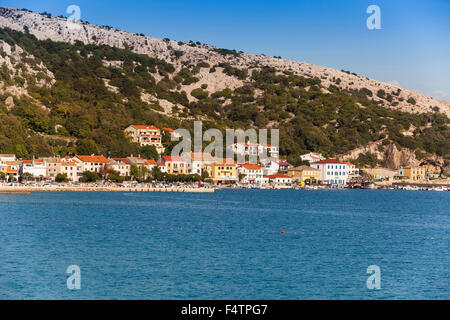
24, 190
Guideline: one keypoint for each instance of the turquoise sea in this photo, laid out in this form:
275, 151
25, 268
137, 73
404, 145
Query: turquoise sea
227, 245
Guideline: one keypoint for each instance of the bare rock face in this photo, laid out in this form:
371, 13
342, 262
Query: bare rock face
58, 29
9, 102
395, 159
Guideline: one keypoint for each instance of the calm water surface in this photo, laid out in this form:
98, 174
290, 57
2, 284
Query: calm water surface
226, 245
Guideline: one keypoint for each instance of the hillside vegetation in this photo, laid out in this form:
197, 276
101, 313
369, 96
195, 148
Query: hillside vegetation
59, 98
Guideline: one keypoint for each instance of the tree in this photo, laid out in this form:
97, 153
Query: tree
138, 172
2, 176
89, 176
157, 174
87, 147
205, 175
27, 176
61, 177
149, 152
115, 177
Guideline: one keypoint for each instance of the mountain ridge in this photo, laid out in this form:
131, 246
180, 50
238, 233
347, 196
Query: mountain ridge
44, 26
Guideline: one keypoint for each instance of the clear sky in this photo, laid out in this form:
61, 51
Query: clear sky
411, 50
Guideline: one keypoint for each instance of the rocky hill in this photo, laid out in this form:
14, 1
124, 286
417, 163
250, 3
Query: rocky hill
56, 29
65, 90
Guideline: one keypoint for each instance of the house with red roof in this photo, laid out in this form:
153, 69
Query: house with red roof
279, 179
312, 157
223, 171
36, 167
275, 165
91, 163
174, 165
145, 136
251, 174
197, 161
332, 172
121, 166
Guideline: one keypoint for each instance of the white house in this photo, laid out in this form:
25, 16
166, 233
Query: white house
332, 171
197, 161
37, 168
274, 165
7, 158
253, 173
352, 171
279, 179
120, 165
312, 157
145, 136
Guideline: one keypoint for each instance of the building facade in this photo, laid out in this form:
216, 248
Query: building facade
251, 173
145, 136
332, 172
175, 165
223, 171
303, 173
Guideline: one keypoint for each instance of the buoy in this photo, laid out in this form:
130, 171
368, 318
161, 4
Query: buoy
283, 232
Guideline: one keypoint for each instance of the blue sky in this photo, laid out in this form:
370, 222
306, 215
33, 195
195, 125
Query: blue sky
411, 50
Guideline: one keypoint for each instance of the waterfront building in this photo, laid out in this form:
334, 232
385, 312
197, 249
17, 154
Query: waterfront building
196, 161
252, 173
414, 173
72, 170
303, 173
332, 171
279, 179
91, 163
352, 170
223, 171
431, 172
121, 166
161, 167
174, 164
145, 136
12, 169
274, 165
36, 167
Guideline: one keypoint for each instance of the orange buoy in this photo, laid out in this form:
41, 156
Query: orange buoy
283, 232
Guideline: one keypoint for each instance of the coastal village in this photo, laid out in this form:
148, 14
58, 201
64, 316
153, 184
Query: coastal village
272, 172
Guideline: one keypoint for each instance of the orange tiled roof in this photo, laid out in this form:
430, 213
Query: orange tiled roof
223, 161
152, 162
124, 160
250, 166
173, 159
141, 127
93, 159
278, 175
